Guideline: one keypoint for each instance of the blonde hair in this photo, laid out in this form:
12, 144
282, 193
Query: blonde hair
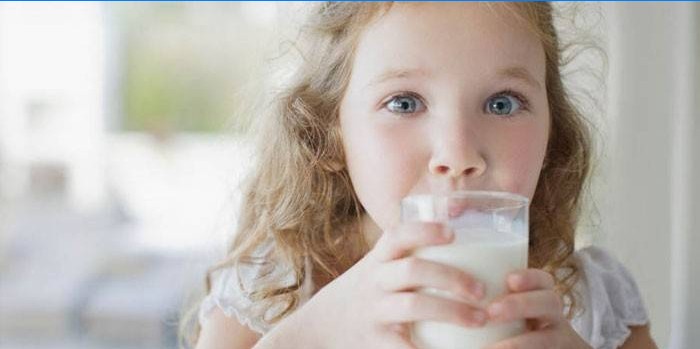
299, 196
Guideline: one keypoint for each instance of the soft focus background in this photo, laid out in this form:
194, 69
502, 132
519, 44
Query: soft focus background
121, 149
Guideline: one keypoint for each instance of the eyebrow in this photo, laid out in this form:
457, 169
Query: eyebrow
520, 73
394, 74
516, 72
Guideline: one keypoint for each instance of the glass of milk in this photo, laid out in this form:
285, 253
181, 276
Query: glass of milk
491, 240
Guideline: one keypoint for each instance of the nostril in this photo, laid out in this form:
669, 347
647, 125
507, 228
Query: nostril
442, 169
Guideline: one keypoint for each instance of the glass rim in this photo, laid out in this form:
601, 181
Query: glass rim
516, 199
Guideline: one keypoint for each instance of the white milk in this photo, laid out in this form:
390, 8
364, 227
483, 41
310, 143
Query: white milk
489, 256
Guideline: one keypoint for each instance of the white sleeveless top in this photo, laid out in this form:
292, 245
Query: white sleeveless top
609, 297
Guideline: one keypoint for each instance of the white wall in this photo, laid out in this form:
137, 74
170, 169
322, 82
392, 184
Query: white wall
647, 216
52, 113
693, 272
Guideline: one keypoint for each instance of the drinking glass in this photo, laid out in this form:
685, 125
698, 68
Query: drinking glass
491, 240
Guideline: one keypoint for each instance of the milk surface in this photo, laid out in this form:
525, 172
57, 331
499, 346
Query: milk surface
489, 256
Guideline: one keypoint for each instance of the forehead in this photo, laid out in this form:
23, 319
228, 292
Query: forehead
469, 39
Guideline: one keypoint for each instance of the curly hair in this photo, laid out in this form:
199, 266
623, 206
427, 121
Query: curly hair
299, 196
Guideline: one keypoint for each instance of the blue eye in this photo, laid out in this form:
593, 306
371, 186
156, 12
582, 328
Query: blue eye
404, 104
503, 104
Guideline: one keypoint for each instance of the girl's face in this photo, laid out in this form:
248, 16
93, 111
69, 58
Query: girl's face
444, 95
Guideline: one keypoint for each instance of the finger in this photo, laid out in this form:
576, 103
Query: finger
400, 337
548, 338
529, 280
405, 238
406, 307
411, 273
397, 342
543, 305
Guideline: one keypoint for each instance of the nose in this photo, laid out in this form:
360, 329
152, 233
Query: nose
456, 153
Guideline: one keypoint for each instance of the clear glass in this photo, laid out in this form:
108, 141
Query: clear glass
491, 240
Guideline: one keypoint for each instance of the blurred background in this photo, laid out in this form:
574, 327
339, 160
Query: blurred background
122, 147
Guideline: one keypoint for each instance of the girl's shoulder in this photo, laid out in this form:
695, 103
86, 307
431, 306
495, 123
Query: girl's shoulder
228, 293
232, 289
610, 299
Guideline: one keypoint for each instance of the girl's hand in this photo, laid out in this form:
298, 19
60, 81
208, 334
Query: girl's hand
532, 297
372, 304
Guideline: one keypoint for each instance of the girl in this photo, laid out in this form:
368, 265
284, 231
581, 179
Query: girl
389, 100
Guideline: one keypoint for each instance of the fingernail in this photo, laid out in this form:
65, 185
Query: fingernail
495, 310
477, 290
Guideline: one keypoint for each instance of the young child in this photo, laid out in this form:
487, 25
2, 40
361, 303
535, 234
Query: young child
388, 99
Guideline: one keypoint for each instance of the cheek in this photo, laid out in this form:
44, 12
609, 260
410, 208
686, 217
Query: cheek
520, 163
383, 167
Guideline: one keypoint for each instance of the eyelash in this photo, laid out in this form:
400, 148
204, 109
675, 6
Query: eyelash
402, 94
524, 103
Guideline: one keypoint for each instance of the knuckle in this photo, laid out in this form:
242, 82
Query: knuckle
436, 230
411, 265
410, 303
465, 280
429, 231
516, 305
457, 281
464, 314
